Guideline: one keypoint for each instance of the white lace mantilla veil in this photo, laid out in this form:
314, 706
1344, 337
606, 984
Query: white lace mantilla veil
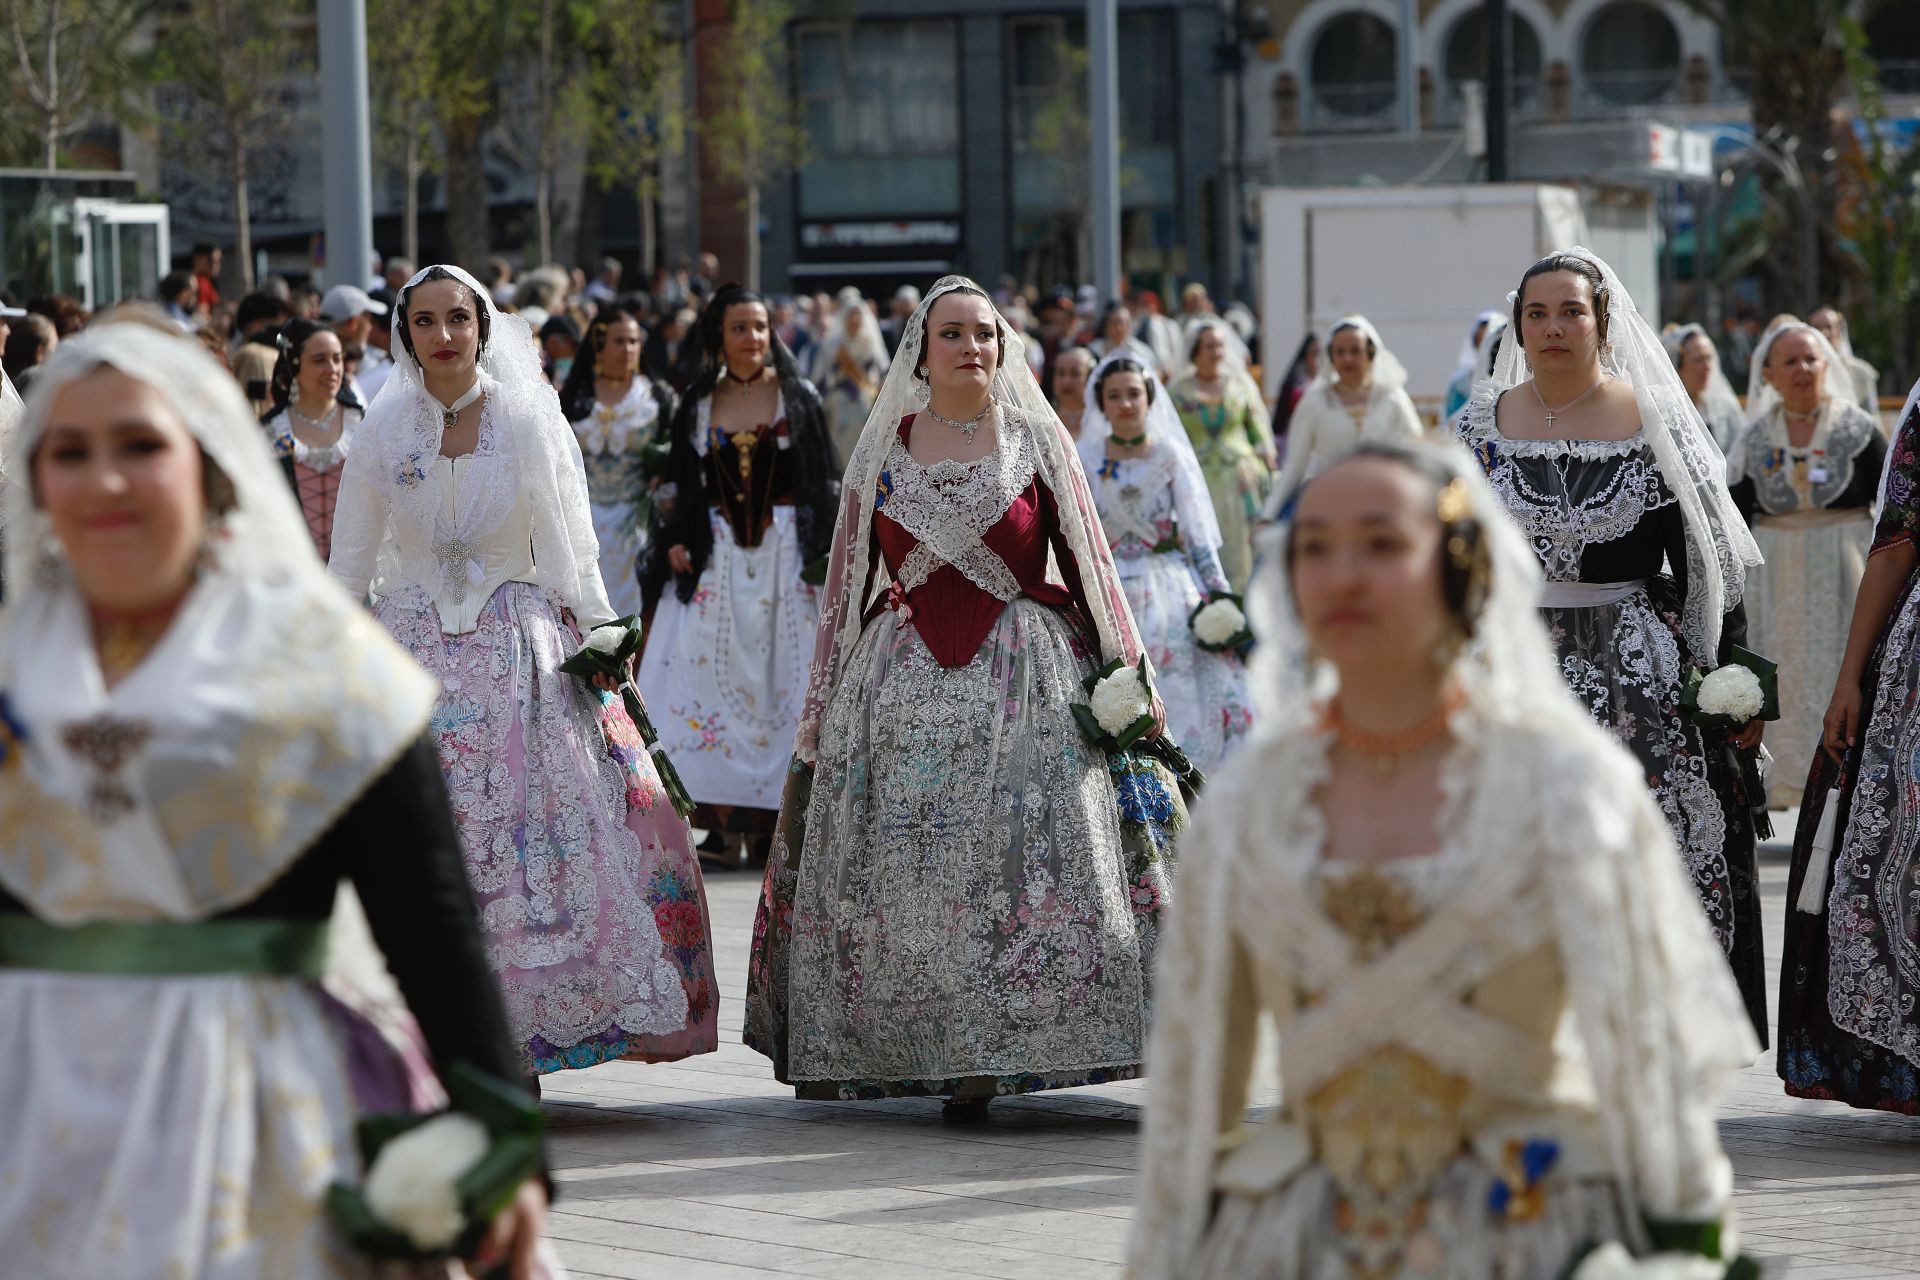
1837, 385
263, 713
1543, 791
401, 434
1239, 359
1387, 369
1720, 548
1719, 390
869, 348
1199, 526
855, 574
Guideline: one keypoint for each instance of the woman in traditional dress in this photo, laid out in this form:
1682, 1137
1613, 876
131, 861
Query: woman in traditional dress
1301, 371
1602, 460
1849, 1030
851, 361
746, 508
311, 425
1863, 379
617, 413
1071, 370
957, 904
1361, 396
1698, 362
1115, 333
1452, 894
204, 738
1804, 473
1220, 405
1159, 523
1467, 369
466, 494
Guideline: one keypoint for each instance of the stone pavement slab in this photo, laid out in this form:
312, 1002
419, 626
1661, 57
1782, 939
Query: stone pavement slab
710, 1170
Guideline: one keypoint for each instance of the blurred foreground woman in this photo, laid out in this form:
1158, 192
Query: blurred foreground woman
201, 737
1429, 860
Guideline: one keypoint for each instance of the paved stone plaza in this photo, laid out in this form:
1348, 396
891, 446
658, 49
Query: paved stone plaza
709, 1170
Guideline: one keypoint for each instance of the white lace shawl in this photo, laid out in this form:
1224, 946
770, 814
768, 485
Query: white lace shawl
1192, 506
1720, 548
1537, 791
1556, 811
263, 713
855, 574
1322, 428
391, 487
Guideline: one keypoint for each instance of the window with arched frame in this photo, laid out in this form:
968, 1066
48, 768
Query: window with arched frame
1464, 58
1630, 55
1352, 72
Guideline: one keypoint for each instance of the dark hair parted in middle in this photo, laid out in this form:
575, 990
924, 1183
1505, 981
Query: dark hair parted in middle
1466, 561
481, 315
1579, 266
1123, 365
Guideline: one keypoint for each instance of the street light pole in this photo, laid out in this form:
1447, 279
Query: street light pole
1103, 117
346, 148
1499, 90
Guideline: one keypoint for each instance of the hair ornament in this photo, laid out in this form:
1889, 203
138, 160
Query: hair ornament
1452, 505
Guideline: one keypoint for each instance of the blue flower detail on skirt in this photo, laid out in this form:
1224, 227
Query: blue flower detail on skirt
1143, 796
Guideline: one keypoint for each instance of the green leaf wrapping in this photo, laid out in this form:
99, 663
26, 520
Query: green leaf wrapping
1239, 642
514, 1127
669, 776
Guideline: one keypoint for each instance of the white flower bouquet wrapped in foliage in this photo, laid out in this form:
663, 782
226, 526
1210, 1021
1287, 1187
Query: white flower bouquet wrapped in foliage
1726, 698
1219, 624
436, 1182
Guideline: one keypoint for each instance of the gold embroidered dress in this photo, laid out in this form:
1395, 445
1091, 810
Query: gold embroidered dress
1493, 1053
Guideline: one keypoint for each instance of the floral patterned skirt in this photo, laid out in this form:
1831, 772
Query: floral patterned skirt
955, 904
1209, 709
1848, 1028
1626, 664
588, 888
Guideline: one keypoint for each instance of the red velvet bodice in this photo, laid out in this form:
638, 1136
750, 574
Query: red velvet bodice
952, 614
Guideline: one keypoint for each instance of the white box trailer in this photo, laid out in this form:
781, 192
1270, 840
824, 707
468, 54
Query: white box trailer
1421, 262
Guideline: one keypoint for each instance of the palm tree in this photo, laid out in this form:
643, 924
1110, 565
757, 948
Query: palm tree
1789, 54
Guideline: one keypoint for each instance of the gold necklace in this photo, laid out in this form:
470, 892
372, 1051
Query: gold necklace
122, 640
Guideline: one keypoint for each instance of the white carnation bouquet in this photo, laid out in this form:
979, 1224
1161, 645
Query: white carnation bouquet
1119, 707
1726, 698
436, 1182
1219, 624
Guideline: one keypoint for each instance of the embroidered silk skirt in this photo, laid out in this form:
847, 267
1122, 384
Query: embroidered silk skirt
724, 674
588, 887
1209, 709
953, 904
1625, 663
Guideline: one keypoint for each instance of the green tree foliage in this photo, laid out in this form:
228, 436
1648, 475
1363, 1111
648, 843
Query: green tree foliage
65, 62
1884, 227
749, 121
627, 99
231, 62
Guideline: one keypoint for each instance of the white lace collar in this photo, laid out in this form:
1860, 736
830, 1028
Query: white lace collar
1479, 426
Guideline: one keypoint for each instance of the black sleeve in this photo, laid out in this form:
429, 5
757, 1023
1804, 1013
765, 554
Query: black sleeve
817, 472
402, 852
1746, 498
682, 515
1867, 466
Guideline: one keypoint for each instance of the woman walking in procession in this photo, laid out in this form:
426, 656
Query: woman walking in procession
1159, 523
963, 898
203, 739
617, 414
1452, 894
1850, 971
1220, 406
466, 494
310, 425
1593, 446
747, 506
1804, 472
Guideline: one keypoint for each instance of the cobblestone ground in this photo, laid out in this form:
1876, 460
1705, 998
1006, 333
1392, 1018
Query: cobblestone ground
708, 1169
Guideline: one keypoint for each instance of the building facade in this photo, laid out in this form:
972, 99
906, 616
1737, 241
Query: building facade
954, 137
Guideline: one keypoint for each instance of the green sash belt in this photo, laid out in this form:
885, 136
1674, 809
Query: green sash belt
263, 948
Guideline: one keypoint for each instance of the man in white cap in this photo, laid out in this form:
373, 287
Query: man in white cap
351, 312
